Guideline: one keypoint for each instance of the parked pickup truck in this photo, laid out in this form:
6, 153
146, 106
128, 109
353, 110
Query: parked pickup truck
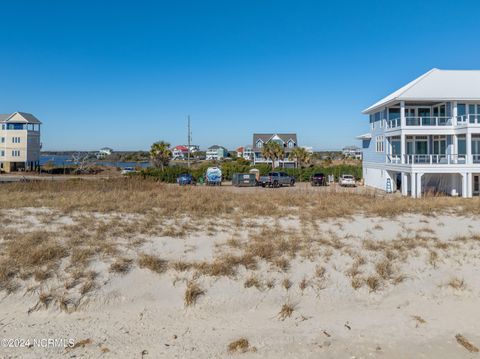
276, 179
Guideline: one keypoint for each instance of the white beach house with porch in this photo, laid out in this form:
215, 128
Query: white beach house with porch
425, 137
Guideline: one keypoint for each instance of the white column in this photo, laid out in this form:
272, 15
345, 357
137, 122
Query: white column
464, 185
404, 184
413, 182
403, 149
469, 147
419, 185
402, 114
469, 185
454, 113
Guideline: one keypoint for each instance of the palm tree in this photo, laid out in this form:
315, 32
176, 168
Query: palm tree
160, 154
272, 151
301, 155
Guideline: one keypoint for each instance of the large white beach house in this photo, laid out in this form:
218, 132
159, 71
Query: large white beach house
425, 137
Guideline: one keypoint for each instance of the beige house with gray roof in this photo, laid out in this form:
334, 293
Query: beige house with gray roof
19, 142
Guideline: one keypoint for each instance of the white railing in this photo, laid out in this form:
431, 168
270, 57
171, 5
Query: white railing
395, 122
431, 159
396, 159
466, 119
435, 159
428, 121
421, 121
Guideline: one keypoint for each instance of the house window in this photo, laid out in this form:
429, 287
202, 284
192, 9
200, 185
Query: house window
290, 144
393, 113
15, 153
379, 145
3, 140
421, 145
259, 144
395, 141
15, 126
15, 139
2, 153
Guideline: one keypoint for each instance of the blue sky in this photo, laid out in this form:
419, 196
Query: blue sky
125, 74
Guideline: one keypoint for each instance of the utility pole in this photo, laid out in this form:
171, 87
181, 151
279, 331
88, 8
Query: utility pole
189, 140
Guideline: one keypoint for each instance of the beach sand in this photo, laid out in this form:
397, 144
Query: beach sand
415, 312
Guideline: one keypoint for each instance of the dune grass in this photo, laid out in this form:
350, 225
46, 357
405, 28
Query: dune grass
134, 195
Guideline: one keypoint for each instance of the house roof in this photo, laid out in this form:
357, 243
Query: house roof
365, 136
27, 117
265, 137
181, 148
436, 85
351, 148
240, 149
216, 147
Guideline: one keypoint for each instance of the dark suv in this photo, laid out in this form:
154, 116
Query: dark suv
318, 179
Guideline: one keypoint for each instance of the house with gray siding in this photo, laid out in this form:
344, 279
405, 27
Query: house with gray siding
288, 141
425, 137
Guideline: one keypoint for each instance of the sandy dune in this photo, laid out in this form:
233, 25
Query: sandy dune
417, 315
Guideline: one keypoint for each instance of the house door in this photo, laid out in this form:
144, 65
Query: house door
476, 185
476, 148
439, 145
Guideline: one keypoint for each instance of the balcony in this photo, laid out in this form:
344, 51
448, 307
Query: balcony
439, 121
421, 121
473, 119
434, 159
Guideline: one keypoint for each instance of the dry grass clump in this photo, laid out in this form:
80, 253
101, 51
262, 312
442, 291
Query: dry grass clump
373, 282
226, 265
192, 293
303, 284
154, 263
419, 320
457, 283
253, 281
466, 343
24, 255
433, 258
287, 284
240, 346
286, 311
121, 265
181, 266
87, 286
357, 282
384, 269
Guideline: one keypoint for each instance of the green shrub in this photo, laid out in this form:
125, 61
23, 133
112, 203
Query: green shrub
170, 173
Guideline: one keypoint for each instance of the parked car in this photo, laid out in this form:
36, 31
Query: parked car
318, 179
347, 181
276, 179
127, 170
213, 176
185, 179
